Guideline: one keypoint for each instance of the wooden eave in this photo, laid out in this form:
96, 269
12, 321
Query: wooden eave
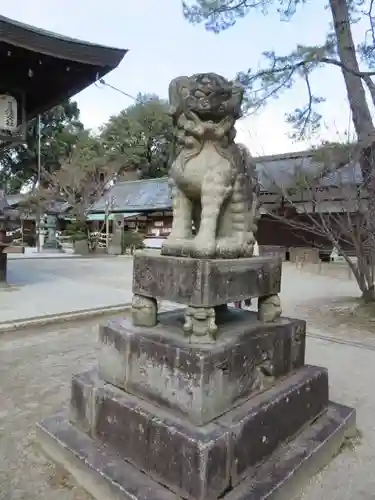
46, 68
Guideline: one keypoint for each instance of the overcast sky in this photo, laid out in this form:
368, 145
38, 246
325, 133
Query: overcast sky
162, 45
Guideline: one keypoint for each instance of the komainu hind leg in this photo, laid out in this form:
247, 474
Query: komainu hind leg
180, 239
237, 239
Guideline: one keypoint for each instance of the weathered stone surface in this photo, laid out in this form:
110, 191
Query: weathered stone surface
97, 468
107, 477
115, 246
205, 283
261, 424
282, 476
194, 462
200, 324
82, 391
272, 250
200, 381
202, 462
269, 308
213, 179
144, 311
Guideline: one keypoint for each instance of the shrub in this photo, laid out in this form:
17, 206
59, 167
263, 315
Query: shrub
131, 240
76, 231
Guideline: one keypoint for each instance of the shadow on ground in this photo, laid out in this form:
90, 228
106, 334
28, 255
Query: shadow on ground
20, 275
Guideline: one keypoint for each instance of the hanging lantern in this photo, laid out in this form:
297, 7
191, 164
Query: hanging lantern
13, 123
8, 114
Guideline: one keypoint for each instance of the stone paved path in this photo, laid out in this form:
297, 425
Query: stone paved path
32, 253
36, 368
55, 286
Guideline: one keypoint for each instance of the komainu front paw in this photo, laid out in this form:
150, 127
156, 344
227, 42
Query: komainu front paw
228, 248
177, 247
203, 248
234, 247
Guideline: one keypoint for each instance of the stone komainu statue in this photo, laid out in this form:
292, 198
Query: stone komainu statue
212, 178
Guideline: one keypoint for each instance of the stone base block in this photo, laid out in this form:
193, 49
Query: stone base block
53, 247
199, 463
197, 381
205, 283
272, 251
107, 477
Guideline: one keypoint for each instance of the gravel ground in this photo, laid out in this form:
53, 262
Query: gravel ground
36, 369
35, 373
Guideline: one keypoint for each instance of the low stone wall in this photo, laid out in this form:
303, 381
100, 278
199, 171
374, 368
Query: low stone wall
304, 255
337, 270
272, 251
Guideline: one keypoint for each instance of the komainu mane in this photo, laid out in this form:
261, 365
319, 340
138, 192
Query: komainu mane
214, 188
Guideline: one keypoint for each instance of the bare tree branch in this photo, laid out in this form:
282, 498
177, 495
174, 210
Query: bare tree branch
304, 63
334, 212
371, 87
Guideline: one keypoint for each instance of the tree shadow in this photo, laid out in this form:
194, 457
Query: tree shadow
21, 273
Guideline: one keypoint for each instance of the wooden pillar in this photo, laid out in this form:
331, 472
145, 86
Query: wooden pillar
3, 267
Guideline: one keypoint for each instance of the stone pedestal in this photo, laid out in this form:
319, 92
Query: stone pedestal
204, 285
200, 382
115, 246
205, 282
198, 462
172, 414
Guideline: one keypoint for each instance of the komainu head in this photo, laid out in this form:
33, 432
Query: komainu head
208, 95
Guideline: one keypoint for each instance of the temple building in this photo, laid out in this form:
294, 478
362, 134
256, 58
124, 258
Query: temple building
147, 206
40, 69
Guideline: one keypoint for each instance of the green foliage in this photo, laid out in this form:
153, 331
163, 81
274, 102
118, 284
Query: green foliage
60, 128
76, 231
281, 72
219, 15
131, 239
141, 137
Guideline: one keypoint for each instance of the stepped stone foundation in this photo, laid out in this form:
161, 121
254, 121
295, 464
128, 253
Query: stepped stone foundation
170, 414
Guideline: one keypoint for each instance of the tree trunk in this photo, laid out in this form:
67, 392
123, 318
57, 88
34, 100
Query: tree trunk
362, 120
371, 87
354, 86
369, 295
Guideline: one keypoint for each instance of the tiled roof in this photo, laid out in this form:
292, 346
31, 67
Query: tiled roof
282, 169
154, 194
56, 45
135, 196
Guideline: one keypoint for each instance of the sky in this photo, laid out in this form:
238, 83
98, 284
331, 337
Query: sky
163, 45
